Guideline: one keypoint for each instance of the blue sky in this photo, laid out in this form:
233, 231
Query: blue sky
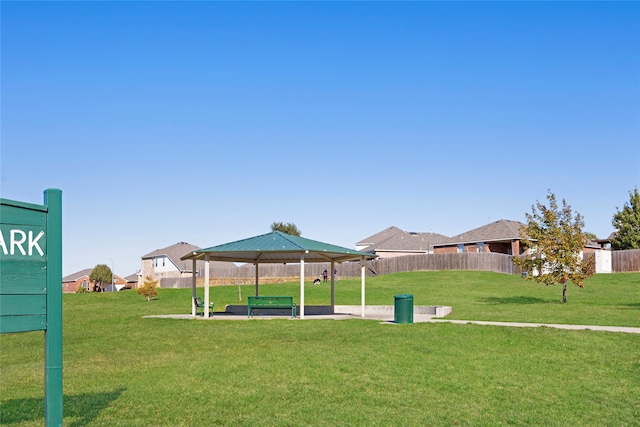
205, 122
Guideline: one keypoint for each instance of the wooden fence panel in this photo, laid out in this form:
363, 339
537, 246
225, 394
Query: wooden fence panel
625, 261
622, 261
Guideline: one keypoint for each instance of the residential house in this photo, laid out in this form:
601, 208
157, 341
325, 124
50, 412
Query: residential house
383, 235
501, 236
605, 244
132, 280
75, 281
80, 279
166, 263
393, 242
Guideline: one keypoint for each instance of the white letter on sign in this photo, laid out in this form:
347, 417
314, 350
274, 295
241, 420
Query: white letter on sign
14, 242
3, 244
34, 243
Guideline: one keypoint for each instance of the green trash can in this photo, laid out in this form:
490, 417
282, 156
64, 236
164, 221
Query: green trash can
403, 309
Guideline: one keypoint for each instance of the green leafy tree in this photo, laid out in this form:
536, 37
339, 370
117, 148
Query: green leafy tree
148, 288
100, 275
627, 224
555, 240
288, 228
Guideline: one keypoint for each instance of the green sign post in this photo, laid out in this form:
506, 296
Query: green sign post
31, 284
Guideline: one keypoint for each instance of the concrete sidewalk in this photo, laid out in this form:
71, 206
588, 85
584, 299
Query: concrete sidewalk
417, 318
625, 329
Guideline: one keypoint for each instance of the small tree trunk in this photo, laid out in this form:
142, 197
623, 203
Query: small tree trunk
564, 292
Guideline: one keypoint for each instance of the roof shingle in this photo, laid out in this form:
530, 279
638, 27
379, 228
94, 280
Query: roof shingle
499, 230
180, 249
409, 242
75, 276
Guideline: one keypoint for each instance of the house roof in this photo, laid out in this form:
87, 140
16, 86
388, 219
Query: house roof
609, 239
176, 252
85, 273
496, 231
132, 277
173, 251
408, 242
75, 276
381, 236
277, 247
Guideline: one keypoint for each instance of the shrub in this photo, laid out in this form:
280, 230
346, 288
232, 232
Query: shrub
148, 289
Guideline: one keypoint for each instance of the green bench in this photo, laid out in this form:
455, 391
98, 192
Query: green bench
197, 301
263, 302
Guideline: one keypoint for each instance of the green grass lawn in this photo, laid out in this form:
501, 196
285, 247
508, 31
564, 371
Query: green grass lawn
123, 370
606, 299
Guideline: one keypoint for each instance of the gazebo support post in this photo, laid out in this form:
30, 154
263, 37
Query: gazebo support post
302, 286
362, 266
333, 293
206, 287
193, 287
256, 264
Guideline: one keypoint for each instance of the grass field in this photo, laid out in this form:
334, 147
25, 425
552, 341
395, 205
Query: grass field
123, 370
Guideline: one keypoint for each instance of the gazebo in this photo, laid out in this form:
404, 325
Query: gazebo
276, 247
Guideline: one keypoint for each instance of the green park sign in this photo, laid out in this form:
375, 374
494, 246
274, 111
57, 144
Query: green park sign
31, 283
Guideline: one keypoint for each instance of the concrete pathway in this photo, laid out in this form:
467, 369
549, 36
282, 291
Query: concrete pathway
417, 318
421, 318
626, 329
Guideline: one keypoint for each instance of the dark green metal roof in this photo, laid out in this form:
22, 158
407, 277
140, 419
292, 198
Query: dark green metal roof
277, 247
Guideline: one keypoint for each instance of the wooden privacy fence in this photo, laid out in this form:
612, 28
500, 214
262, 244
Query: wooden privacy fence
621, 261
625, 261
478, 261
274, 273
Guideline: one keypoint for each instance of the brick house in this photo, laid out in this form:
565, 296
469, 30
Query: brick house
80, 279
501, 236
75, 281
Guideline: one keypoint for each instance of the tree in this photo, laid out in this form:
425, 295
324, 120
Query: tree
148, 288
288, 228
555, 240
627, 224
100, 275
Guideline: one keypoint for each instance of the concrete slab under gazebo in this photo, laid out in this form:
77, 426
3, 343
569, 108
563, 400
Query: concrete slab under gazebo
277, 247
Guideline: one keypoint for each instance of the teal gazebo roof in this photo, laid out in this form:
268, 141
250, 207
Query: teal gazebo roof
277, 247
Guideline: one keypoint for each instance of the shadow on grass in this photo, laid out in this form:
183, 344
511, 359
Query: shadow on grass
81, 408
515, 300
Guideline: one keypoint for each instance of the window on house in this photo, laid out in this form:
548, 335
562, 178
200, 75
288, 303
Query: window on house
460, 248
163, 258
480, 247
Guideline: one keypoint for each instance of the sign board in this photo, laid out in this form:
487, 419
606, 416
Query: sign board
31, 283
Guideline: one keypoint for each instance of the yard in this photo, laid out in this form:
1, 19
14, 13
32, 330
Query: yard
123, 370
